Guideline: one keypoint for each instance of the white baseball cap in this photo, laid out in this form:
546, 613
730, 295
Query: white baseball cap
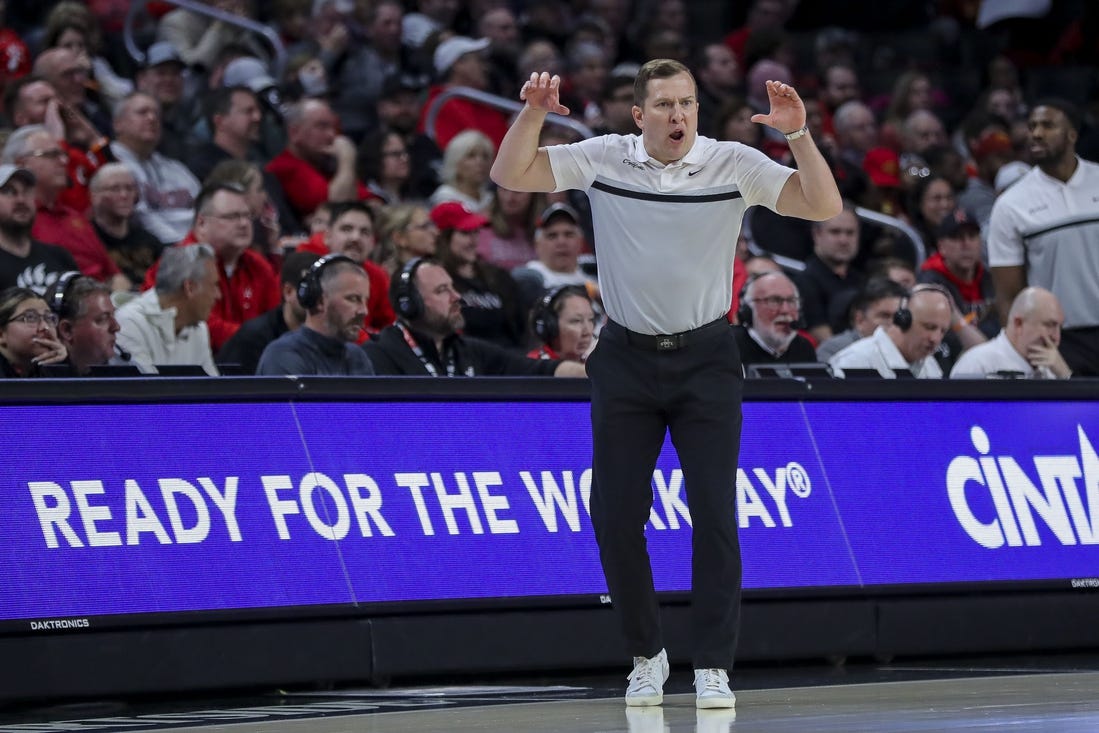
454, 48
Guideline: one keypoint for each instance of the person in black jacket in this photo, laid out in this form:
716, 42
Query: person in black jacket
768, 317
245, 347
427, 339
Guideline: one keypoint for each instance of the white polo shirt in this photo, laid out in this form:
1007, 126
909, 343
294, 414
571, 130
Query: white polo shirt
997, 355
878, 351
665, 235
1053, 229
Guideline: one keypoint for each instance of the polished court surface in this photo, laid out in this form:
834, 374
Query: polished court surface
1047, 693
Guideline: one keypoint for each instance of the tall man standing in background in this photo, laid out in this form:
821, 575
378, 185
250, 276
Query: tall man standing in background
667, 207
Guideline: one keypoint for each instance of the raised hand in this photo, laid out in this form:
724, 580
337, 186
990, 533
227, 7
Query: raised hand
543, 92
787, 110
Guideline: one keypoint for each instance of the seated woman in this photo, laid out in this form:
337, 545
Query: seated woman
490, 297
564, 321
406, 231
28, 336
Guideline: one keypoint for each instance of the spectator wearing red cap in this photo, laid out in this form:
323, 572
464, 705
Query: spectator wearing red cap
490, 297
991, 151
957, 268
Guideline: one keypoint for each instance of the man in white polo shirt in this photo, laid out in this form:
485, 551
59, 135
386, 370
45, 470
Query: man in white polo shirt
1044, 231
667, 208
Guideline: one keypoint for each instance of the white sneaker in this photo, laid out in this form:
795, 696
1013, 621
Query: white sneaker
712, 689
647, 680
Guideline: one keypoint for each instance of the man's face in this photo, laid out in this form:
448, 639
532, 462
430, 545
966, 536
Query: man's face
226, 225
1040, 327
17, 209
242, 121
836, 241
352, 235
313, 136
469, 70
961, 252
139, 123
163, 81
47, 160
114, 195
205, 291
442, 303
385, 31
931, 314
499, 26
69, 75
669, 118
558, 244
840, 85
721, 70
399, 111
878, 313
90, 338
31, 104
1051, 139
774, 302
860, 130
923, 131
618, 110
343, 305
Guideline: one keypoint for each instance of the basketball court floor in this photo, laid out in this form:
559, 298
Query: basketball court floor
1054, 693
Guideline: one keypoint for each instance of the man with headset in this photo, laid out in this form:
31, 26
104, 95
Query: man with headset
86, 324
334, 293
768, 319
908, 342
427, 339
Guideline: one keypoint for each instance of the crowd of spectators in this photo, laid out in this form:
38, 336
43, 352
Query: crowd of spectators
360, 146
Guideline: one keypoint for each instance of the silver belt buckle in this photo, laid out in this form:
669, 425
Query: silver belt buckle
667, 343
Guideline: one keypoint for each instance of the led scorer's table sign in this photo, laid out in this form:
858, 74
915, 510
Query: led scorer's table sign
201, 507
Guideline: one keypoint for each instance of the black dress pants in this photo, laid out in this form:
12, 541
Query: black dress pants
639, 394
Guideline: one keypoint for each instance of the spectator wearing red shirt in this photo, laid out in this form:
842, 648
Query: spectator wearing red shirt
34, 148
34, 101
460, 62
352, 233
318, 163
249, 285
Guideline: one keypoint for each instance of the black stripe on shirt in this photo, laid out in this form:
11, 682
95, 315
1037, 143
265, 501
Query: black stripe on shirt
676, 198
1062, 225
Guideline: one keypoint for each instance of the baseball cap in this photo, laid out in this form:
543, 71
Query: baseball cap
398, 83
454, 48
992, 142
247, 71
8, 171
558, 209
162, 52
1008, 174
883, 166
454, 215
957, 223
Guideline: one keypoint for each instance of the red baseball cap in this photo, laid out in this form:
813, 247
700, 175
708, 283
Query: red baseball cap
454, 215
883, 166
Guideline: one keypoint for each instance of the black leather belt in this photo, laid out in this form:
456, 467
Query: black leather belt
669, 341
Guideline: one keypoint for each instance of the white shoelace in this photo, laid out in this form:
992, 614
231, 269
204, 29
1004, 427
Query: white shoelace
645, 674
713, 680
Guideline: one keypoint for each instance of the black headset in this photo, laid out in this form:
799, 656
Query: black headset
543, 318
902, 318
309, 287
60, 291
406, 299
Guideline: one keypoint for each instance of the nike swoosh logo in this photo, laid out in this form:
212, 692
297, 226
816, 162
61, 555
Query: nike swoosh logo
691, 173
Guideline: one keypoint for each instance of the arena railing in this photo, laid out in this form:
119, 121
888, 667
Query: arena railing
496, 102
278, 50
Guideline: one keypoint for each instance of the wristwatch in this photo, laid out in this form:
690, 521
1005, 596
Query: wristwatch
797, 133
